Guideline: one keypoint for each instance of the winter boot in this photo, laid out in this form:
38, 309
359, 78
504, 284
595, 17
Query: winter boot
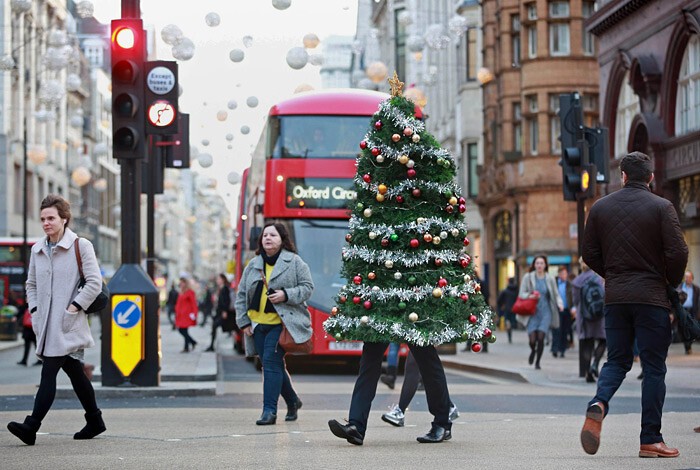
95, 425
25, 431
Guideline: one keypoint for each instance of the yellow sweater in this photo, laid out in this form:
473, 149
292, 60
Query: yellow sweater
259, 315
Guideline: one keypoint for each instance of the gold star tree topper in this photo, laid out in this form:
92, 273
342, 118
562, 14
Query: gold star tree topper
396, 85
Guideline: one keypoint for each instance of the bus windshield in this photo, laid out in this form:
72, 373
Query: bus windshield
316, 136
320, 244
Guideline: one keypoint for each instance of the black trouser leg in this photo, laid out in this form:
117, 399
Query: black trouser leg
366, 385
435, 383
47, 387
598, 354
81, 384
540, 346
584, 355
411, 377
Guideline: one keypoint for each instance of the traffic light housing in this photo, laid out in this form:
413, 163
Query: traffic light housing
578, 175
128, 48
599, 152
161, 93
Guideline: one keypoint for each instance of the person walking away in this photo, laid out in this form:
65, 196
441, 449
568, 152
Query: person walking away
560, 337
272, 294
634, 241
538, 283
505, 301
588, 303
222, 305
170, 304
186, 313
691, 305
58, 317
411, 379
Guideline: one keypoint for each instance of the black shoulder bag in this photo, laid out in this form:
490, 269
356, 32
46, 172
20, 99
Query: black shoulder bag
103, 297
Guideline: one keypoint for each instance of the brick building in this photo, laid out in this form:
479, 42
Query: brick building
533, 51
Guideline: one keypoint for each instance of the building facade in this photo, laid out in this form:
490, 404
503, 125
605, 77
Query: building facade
650, 97
533, 51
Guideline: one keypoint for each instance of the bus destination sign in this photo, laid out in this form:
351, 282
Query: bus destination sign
319, 193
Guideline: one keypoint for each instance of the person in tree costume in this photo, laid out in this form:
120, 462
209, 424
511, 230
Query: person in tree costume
410, 278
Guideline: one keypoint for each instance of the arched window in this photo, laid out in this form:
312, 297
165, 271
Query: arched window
627, 109
688, 95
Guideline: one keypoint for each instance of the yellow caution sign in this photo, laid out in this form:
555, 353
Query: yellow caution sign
127, 332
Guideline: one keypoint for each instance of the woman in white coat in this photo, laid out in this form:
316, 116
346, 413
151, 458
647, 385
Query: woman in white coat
58, 317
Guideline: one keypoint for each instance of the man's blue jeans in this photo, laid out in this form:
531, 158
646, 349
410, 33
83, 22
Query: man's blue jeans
276, 380
651, 326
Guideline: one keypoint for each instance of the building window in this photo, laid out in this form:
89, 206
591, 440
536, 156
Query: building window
558, 9
532, 103
532, 41
531, 11
503, 229
471, 54
627, 109
517, 128
472, 162
515, 40
400, 51
534, 134
554, 124
688, 97
559, 39
588, 8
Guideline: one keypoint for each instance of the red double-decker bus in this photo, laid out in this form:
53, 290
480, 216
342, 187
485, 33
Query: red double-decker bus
301, 175
12, 267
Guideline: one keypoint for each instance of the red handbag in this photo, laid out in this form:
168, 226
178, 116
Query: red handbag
525, 307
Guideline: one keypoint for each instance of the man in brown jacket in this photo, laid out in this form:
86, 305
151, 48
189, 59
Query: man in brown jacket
633, 239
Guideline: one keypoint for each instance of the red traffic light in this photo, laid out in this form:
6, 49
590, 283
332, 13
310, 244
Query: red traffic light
124, 37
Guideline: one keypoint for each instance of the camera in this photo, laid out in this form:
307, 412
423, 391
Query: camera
270, 291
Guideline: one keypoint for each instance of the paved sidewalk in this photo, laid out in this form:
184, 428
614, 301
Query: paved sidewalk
509, 360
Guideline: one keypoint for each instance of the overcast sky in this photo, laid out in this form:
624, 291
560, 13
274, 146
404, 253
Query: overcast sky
210, 79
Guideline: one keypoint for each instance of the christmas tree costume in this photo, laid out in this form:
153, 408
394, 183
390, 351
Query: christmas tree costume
410, 279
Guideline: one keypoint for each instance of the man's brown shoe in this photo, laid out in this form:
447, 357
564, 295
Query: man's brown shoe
657, 450
697, 429
590, 434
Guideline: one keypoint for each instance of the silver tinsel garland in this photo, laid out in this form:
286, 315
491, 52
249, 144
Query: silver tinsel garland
429, 223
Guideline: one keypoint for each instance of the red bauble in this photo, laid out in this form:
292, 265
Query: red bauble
363, 145
415, 192
463, 262
464, 297
442, 282
411, 173
375, 151
476, 347
356, 300
399, 199
462, 208
466, 241
487, 332
408, 132
427, 238
461, 200
372, 276
472, 318
348, 237
414, 243
378, 125
449, 209
385, 242
438, 262
396, 137
367, 305
343, 299
366, 178
357, 279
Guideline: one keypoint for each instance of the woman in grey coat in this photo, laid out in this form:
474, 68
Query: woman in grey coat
58, 317
273, 292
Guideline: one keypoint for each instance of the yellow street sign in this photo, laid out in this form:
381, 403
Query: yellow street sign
127, 332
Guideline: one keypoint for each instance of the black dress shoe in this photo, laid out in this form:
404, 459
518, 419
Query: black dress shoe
267, 417
346, 431
292, 410
436, 434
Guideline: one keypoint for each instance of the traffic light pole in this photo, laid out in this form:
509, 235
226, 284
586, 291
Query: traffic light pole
581, 214
131, 8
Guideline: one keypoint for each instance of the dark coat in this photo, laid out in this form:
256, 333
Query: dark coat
695, 308
223, 301
634, 241
506, 298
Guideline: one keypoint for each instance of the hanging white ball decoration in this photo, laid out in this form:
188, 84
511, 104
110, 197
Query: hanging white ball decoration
281, 4
100, 185
377, 72
21, 6
415, 43
73, 82
310, 40
229, 146
171, 34
316, 59
85, 9
236, 55
251, 101
205, 160
435, 37
229, 137
297, 57
184, 50
212, 19
80, 176
232, 104
247, 41
100, 150
234, 178
457, 25
76, 121
245, 130
205, 142
221, 115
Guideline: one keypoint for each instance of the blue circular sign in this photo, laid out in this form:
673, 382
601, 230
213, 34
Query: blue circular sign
126, 314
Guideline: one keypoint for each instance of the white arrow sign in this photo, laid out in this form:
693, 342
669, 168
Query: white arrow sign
123, 318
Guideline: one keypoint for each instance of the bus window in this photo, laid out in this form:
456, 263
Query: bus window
320, 244
316, 136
